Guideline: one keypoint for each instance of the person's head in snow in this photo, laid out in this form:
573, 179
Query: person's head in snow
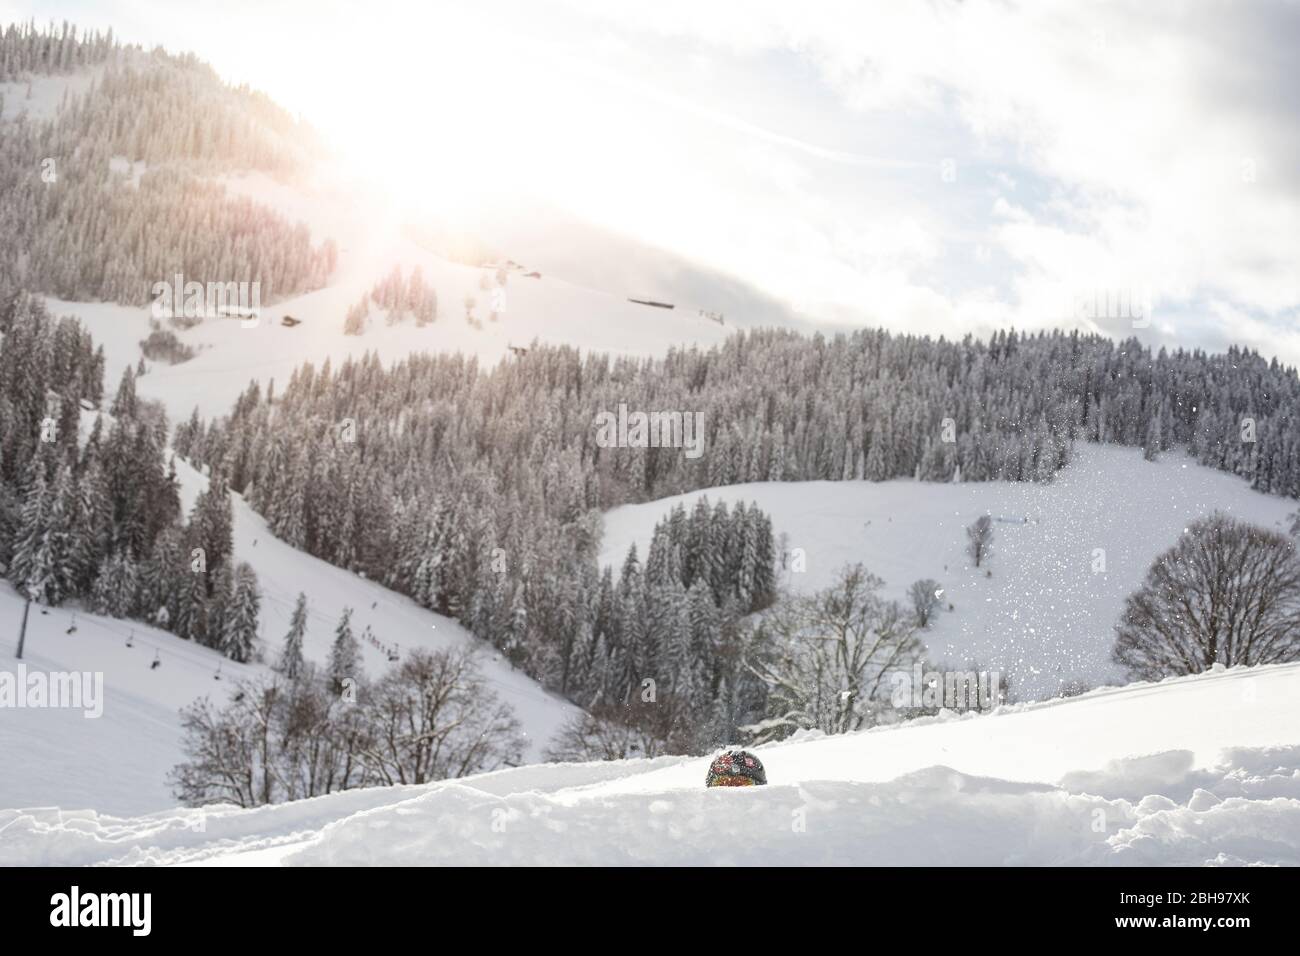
735, 768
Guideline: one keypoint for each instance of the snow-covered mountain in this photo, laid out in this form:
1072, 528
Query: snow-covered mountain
118, 763
546, 308
127, 753
1192, 771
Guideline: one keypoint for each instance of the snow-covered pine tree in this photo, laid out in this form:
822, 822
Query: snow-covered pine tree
114, 591
220, 604
192, 618
345, 654
125, 403
239, 628
211, 527
44, 564
291, 662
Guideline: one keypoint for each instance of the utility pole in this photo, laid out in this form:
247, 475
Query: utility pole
22, 635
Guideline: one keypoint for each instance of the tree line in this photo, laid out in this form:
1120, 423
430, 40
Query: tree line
399, 297
110, 195
289, 736
26, 49
479, 491
100, 519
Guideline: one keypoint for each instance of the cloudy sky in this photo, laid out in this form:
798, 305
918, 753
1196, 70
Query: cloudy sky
942, 167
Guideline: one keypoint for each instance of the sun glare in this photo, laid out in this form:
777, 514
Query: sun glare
452, 116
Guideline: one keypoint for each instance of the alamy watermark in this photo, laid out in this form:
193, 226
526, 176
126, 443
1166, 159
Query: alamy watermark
129, 910
1099, 304
953, 690
65, 690
651, 430
199, 300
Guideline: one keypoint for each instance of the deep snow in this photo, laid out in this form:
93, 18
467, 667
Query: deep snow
1193, 771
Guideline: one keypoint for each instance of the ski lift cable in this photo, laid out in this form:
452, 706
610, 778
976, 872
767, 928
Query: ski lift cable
508, 689
133, 640
130, 635
520, 693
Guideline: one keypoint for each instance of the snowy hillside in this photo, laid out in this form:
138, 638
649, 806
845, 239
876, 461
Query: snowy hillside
117, 763
371, 243
1045, 615
283, 572
39, 97
1202, 770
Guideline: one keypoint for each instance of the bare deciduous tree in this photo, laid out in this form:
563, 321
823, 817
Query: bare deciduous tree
826, 657
925, 600
1227, 593
280, 739
615, 732
979, 539
434, 717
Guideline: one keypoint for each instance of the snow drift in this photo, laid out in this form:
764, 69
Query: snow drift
1193, 771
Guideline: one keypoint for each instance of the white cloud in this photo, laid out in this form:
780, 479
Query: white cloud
1147, 125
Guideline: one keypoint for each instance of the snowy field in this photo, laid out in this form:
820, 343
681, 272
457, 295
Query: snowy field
1193, 771
1046, 615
